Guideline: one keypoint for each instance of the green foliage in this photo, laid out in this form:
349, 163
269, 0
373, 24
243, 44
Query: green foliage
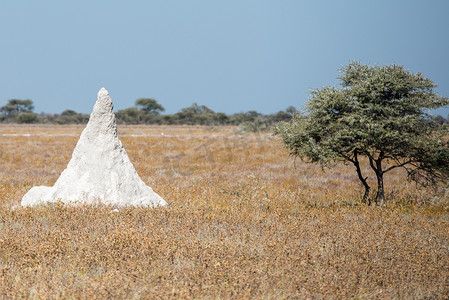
69, 113
440, 120
147, 111
8, 110
291, 110
71, 117
379, 113
199, 114
15, 107
255, 126
196, 109
26, 117
130, 115
149, 106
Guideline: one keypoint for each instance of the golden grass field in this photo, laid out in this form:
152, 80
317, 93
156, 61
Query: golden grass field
244, 220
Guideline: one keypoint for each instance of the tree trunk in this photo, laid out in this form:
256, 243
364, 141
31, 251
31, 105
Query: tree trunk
366, 198
356, 163
380, 198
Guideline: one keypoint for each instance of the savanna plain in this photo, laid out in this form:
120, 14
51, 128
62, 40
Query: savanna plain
244, 220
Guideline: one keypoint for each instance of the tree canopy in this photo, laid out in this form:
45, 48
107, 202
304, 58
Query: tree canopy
17, 110
149, 106
381, 113
17, 106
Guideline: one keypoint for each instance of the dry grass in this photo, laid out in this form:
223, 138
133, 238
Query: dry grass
243, 222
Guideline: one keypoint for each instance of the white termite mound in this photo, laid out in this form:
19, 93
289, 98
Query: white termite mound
99, 171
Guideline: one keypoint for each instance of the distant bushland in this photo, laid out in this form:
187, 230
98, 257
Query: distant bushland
148, 111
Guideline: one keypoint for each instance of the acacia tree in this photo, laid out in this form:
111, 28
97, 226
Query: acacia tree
17, 106
149, 106
380, 112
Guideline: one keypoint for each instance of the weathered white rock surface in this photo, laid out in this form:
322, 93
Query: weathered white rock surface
100, 170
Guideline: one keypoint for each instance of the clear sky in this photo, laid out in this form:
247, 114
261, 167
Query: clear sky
232, 56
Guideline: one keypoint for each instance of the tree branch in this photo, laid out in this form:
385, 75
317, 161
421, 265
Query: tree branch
347, 157
363, 180
398, 165
371, 162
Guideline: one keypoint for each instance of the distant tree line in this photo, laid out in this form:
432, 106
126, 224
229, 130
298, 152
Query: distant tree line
148, 111
21, 111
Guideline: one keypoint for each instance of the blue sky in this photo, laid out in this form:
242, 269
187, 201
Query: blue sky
231, 56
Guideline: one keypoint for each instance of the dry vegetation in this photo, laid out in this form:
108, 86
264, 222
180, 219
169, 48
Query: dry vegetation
244, 221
